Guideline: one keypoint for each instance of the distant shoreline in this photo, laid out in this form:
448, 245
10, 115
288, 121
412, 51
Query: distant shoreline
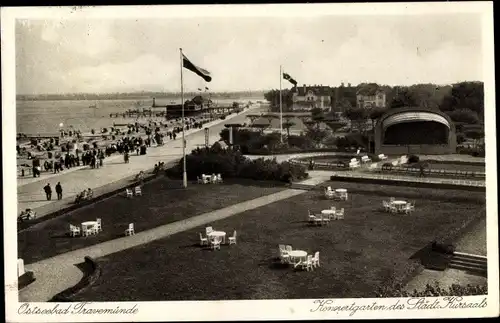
134, 96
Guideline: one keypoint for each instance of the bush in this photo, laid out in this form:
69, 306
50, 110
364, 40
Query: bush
387, 166
232, 164
413, 159
435, 291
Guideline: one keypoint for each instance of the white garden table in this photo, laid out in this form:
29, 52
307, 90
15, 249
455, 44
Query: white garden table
399, 205
220, 234
89, 225
297, 254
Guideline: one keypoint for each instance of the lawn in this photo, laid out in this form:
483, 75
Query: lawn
357, 254
163, 202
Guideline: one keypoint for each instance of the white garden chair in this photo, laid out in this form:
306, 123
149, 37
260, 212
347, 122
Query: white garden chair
311, 218
387, 206
315, 260
203, 241
219, 178
215, 243
232, 240
200, 180
129, 192
325, 219
138, 191
208, 230
87, 231
340, 214
282, 248
305, 264
99, 225
288, 248
130, 231
74, 230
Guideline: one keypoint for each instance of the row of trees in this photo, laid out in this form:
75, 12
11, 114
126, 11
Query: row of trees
463, 101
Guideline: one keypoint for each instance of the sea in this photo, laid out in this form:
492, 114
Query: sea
46, 117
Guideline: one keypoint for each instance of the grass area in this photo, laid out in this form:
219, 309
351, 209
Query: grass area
333, 159
163, 201
357, 254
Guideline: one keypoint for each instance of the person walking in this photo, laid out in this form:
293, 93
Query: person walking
48, 191
59, 190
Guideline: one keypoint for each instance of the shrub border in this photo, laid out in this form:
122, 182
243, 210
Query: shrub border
88, 279
25, 279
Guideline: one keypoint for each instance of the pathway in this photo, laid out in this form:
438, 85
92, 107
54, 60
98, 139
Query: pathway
58, 273
73, 182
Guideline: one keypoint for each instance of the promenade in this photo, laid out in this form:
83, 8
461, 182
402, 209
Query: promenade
76, 180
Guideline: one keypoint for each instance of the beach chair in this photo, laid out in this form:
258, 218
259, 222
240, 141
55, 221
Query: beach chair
129, 192
138, 191
315, 260
74, 230
305, 264
203, 241
232, 240
208, 230
130, 231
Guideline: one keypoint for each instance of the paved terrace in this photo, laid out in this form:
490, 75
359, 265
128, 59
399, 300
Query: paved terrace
115, 170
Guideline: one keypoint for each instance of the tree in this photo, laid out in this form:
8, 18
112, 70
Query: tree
465, 95
357, 116
464, 116
287, 125
375, 113
402, 98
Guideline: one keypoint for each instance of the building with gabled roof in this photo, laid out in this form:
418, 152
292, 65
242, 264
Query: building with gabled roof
311, 97
371, 96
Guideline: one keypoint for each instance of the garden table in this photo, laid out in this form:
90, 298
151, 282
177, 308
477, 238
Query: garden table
221, 234
399, 205
89, 224
297, 254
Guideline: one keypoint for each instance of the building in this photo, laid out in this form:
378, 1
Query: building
370, 97
310, 97
415, 131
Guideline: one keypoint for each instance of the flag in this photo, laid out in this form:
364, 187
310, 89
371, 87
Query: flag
204, 74
206, 88
199, 89
289, 79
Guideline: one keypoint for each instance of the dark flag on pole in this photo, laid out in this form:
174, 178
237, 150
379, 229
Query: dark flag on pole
289, 79
206, 88
204, 74
199, 89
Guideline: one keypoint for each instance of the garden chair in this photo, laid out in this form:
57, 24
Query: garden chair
393, 209
232, 240
200, 180
325, 219
315, 260
130, 231
392, 199
282, 248
88, 231
129, 192
311, 217
340, 214
387, 206
208, 230
99, 225
305, 264
215, 243
288, 248
74, 230
344, 196
203, 241
284, 257
138, 191
219, 178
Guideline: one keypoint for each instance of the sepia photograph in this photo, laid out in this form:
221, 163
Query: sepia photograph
305, 161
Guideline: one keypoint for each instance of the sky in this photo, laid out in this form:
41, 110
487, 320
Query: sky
245, 53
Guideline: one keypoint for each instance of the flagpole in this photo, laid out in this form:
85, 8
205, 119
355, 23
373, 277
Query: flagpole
184, 173
281, 111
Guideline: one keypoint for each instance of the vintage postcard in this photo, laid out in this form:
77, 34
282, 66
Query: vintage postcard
249, 162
